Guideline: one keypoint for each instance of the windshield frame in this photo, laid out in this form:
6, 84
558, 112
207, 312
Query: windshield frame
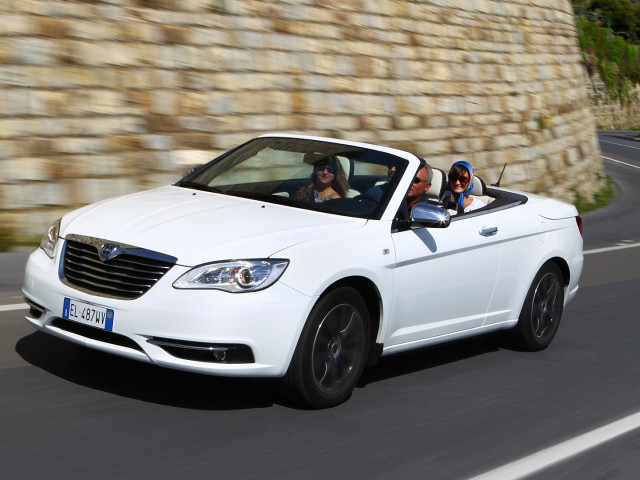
357, 154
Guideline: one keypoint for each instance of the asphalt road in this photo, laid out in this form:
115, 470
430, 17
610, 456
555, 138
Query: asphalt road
449, 412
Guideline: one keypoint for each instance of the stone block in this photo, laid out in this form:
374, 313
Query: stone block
157, 142
164, 102
91, 190
21, 169
18, 196
178, 159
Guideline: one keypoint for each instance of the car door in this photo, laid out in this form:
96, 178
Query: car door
444, 279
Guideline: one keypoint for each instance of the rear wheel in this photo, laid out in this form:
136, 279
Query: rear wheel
542, 310
332, 350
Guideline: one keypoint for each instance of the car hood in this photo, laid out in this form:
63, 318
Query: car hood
198, 227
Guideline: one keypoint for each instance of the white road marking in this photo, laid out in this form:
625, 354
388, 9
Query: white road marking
15, 306
618, 161
562, 451
610, 249
619, 144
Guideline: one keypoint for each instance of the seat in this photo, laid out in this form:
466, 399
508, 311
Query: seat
347, 166
480, 191
438, 185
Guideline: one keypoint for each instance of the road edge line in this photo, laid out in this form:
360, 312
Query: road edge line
611, 249
618, 161
13, 307
562, 451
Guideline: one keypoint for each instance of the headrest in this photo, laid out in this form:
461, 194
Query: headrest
438, 184
347, 166
479, 187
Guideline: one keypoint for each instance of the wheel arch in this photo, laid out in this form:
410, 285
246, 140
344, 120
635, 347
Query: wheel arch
373, 300
562, 264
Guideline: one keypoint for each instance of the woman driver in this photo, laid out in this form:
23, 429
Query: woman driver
328, 181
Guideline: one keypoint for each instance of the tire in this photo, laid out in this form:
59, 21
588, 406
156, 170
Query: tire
542, 310
331, 352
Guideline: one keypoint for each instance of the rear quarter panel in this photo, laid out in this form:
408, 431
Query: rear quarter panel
529, 241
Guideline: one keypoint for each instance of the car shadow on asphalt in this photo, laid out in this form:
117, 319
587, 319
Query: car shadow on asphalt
141, 381
136, 380
431, 357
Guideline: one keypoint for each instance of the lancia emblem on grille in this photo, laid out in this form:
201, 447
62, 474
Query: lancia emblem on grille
108, 251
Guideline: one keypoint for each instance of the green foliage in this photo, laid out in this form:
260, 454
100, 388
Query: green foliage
600, 198
622, 16
616, 60
6, 240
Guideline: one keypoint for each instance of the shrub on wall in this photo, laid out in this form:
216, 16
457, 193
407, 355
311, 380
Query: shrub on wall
612, 57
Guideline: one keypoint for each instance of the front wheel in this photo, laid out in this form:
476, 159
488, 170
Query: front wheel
332, 350
542, 310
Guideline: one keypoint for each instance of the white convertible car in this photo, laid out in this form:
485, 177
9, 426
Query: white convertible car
245, 268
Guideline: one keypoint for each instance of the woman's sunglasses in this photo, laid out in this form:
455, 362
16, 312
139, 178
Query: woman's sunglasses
462, 180
330, 168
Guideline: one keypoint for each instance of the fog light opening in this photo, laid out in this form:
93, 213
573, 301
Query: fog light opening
220, 355
35, 310
205, 352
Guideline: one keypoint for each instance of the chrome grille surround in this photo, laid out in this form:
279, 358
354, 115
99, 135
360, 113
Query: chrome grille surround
128, 275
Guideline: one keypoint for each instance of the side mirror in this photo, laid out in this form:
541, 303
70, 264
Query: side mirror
427, 215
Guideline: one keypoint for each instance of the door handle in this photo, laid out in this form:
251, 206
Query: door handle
488, 231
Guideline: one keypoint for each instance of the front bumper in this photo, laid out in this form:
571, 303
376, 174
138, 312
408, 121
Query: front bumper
267, 322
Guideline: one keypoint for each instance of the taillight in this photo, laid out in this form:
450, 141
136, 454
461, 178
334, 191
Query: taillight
579, 222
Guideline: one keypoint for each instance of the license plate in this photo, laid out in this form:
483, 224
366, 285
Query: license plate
88, 313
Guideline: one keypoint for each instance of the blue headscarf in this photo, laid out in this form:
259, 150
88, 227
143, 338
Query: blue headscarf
466, 193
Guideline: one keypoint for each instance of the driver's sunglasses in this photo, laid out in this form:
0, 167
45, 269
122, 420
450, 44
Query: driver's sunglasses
417, 180
330, 168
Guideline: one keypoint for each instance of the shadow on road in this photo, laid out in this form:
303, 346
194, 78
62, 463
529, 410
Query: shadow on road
145, 382
431, 357
141, 381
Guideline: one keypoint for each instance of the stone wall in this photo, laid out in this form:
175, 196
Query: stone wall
101, 98
610, 113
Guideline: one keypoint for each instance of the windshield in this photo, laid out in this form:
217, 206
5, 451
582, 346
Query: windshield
310, 174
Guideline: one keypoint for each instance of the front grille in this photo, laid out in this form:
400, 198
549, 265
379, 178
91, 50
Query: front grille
128, 275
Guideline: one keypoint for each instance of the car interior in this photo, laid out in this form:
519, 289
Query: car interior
363, 168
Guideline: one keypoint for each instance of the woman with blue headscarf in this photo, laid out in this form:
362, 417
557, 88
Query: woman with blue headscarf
461, 185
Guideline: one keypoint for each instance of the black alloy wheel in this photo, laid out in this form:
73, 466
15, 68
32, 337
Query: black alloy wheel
332, 351
542, 310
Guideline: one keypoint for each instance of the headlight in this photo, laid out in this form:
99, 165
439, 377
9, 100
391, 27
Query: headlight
49, 240
235, 277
